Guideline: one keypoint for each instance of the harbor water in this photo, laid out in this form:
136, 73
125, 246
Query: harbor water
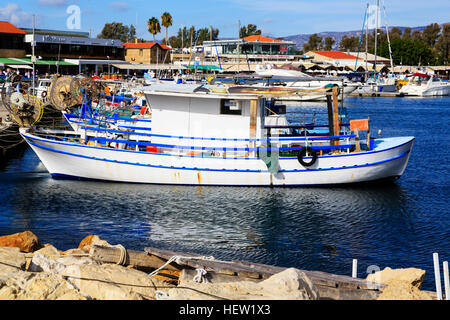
397, 225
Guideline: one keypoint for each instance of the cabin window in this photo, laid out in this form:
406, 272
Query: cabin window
228, 106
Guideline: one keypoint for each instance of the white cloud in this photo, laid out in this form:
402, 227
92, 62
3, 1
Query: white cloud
53, 3
14, 14
119, 6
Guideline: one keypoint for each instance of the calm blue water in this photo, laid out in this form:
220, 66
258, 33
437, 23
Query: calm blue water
397, 225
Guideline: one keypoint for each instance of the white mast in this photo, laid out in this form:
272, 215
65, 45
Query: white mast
376, 36
389, 42
33, 57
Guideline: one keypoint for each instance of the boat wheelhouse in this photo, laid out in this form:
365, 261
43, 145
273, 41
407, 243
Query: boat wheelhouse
202, 136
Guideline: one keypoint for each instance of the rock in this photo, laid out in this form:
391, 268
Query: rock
37, 286
402, 290
26, 241
11, 259
402, 284
412, 276
49, 251
41, 262
74, 252
290, 284
90, 240
113, 282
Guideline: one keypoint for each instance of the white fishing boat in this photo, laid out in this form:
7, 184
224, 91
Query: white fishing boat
424, 85
294, 78
202, 137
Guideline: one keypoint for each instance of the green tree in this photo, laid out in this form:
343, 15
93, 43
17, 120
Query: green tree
328, 43
314, 43
395, 33
406, 33
442, 45
116, 30
408, 52
154, 27
416, 35
166, 21
349, 43
430, 34
249, 30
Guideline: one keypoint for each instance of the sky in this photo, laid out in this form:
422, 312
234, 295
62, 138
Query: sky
275, 18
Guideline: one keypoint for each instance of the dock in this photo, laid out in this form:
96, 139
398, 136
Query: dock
378, 94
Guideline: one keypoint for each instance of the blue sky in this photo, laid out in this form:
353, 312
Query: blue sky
275, 18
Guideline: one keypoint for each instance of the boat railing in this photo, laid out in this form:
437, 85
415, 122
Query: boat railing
286, 146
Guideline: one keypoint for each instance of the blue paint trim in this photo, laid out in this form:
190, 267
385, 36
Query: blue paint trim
171, 146
228, 139
71, 115
192, 156
210, 169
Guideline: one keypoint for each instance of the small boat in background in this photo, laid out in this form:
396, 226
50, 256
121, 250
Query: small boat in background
424, 85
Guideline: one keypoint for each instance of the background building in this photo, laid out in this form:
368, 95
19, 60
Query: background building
146, 53
11, 41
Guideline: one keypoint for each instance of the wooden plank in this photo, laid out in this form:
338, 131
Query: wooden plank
325, 292
261, 271
336, 127
135, 258
253, 118
214, 277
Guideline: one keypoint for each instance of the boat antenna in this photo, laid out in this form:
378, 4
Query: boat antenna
360, 39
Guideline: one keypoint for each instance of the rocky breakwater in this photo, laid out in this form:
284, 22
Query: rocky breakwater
97, 270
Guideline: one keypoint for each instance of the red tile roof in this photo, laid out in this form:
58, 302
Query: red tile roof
335, 54
143, 45
6, 27
259, 38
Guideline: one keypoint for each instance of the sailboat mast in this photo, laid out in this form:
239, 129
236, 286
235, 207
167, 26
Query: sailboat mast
238, 45
389, 42
367, 38
376, 36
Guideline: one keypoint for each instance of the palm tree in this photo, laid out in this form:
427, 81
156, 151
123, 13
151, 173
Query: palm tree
153, 27
166, 20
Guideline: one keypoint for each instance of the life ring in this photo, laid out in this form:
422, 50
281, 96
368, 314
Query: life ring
44, 94
302, 153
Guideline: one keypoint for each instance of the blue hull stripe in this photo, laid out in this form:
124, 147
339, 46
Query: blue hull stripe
210, 169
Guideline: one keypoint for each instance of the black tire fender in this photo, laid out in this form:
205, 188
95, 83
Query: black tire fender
302, 153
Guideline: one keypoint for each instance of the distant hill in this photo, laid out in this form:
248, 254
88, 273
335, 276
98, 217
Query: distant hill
300, 39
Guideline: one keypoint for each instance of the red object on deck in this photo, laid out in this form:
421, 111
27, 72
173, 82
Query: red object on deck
361, 125
151, 149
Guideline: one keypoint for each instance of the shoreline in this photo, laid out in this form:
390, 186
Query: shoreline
97, 270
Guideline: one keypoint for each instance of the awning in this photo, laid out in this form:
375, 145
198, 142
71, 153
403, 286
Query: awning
19, 66
27, 61
131, 66
8, 61
94, 61
201, 67
48, 62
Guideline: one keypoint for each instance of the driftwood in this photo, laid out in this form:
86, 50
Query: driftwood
134, 258
330, 286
